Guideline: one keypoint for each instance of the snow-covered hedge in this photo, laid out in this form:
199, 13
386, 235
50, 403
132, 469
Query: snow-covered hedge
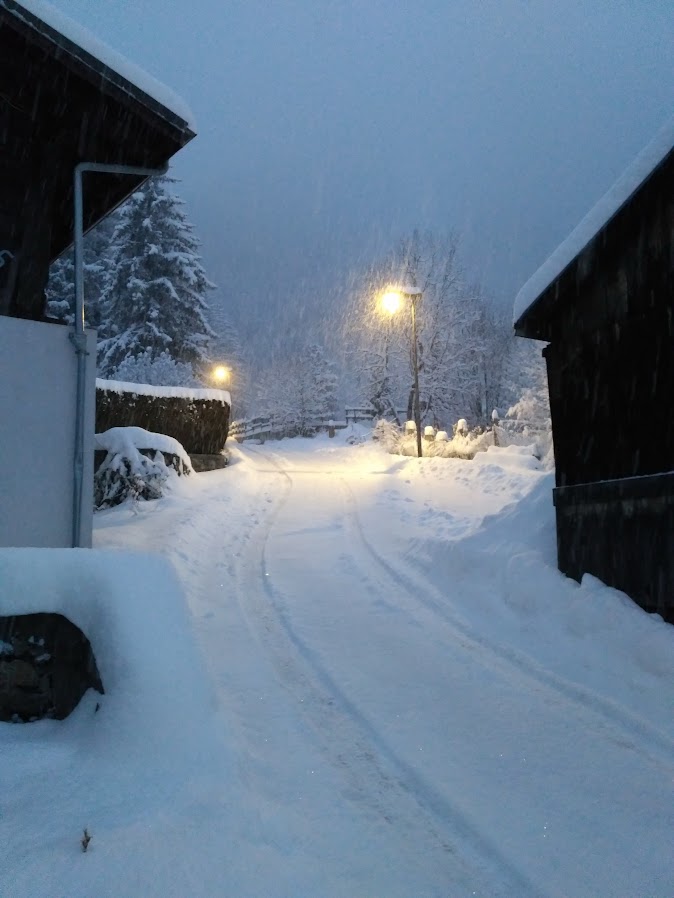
137, 465
197, 418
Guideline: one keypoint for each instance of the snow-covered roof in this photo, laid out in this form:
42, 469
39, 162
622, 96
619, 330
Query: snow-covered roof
120, 386
596, 219
87, 48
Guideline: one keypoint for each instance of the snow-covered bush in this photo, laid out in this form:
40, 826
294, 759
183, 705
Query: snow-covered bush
464, 444
528, 422
135, 465
388, 435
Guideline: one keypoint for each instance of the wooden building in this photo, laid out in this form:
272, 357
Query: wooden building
65, 99
605, 304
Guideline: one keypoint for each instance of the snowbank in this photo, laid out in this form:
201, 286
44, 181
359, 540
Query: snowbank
125, 770
505, 585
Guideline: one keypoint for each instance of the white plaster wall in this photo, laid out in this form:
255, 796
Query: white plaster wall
38, 371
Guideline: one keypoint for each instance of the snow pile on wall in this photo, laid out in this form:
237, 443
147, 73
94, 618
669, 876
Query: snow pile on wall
124, 440
190, 393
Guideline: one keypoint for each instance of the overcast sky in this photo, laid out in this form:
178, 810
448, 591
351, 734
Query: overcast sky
329, 128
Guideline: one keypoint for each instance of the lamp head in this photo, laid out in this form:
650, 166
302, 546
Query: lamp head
391, 301
221, 374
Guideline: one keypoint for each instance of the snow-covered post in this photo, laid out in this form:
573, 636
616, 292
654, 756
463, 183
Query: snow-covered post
331, 428
495, 417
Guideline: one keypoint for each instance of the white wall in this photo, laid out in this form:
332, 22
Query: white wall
38, 370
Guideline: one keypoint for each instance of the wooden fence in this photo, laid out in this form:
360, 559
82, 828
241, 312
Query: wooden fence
266, 427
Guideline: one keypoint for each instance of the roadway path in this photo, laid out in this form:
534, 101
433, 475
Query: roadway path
384, 747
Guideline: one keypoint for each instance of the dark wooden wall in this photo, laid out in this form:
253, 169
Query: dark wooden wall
57, 110
611, 358
609, 319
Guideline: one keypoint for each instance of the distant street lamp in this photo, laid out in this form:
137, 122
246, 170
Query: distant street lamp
391, 302
221, 374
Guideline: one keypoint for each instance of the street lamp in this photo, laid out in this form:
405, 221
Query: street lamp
220, 374
391, 301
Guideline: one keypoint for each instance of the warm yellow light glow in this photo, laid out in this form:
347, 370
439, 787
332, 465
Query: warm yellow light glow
391, 301
220, 374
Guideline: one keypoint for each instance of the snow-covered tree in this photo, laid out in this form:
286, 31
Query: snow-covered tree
447, 314
485, 378
161, 370
320, 375
60, 291
156, 298
298, 392
528, 385
447, 339
464, 341
374, 350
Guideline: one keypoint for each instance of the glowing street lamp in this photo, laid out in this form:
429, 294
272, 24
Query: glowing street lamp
221, 374
391, 302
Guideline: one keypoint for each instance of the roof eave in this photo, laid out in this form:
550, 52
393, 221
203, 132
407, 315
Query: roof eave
95, 67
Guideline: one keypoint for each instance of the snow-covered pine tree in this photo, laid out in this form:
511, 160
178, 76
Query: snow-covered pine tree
323, 382
156, 299
60, 290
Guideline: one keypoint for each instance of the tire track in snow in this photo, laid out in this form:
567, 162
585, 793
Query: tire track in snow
646, 739
382, 780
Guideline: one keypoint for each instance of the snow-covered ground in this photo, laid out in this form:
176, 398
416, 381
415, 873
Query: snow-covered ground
377, 684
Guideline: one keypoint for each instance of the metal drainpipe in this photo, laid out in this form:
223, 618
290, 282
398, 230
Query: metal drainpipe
77, 336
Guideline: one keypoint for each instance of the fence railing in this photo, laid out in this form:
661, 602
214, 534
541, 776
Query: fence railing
269, 427
506, 432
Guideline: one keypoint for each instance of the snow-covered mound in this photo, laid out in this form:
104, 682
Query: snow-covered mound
142, 756
135, 464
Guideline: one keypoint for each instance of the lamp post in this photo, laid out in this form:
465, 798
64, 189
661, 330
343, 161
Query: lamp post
391, 302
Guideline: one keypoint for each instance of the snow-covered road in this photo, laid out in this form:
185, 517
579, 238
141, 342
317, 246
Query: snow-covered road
411, 700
